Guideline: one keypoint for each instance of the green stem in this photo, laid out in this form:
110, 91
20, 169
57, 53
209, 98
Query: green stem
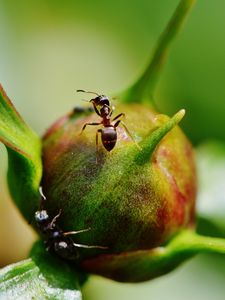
189, 242
144, 265
143, 89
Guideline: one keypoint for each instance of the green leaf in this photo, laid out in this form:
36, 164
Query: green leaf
43, 276
144, 265
143, 89
24, 156
211, 190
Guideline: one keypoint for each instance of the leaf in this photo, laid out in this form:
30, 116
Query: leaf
24, 155
211, 190
42, 276
143, 89
142, 265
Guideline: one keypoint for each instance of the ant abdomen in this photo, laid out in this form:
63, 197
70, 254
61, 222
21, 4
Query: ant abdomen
109, 137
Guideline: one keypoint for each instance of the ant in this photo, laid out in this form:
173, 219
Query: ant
103, 108
56, 240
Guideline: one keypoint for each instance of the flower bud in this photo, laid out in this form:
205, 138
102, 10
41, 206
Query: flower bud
133, 198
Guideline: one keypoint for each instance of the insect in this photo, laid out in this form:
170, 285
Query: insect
104, 109
56, 240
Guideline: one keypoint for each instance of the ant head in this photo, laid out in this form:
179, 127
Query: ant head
41, 216
100, 100
104, 100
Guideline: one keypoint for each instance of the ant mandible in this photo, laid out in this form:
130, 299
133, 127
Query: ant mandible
103, 108
56, 240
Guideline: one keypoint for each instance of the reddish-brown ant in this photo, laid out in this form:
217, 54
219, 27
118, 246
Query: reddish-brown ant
103, 108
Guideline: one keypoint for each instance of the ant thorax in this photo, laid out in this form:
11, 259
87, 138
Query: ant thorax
105, 111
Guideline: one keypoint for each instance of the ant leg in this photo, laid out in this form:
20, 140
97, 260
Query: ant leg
43, 198
76, 232
89, 247
117, 123
118, 116
55, 218
89, 124
98, 131
128, 132
112, 110
95, 108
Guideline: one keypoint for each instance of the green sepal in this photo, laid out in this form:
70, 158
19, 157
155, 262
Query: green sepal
24, 156
42, 276
142, 265
164, 124
142, 91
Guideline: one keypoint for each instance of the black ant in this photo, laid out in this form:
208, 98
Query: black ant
56, 240
103, 108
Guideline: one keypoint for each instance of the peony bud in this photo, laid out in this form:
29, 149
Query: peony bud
132, 199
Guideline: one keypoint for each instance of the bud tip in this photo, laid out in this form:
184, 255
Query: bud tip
179, 116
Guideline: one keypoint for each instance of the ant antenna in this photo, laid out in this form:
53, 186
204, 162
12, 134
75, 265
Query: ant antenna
89, 92
43, 198
41, 193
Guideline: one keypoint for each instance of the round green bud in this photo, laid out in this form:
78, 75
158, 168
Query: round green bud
133, 197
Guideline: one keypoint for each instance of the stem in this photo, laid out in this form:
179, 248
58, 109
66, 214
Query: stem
190, 243
137, 266
143, 89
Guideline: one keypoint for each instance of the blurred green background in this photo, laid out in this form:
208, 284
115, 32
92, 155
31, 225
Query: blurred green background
50, 48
